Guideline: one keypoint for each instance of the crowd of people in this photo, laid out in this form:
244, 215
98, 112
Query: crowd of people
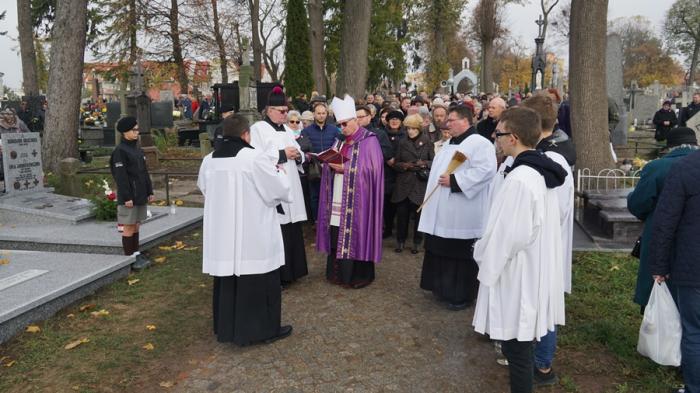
482, 187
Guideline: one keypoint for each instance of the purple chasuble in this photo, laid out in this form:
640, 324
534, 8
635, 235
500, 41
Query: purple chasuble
360, 229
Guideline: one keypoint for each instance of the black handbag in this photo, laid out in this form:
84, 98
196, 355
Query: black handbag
637, 249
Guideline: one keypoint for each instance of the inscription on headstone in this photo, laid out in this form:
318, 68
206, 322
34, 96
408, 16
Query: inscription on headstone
20, 278
22, 162
167, 96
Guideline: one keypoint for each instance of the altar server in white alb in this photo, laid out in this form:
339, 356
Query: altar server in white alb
455, 216
547, 109
243, 247
521, 292
272, 132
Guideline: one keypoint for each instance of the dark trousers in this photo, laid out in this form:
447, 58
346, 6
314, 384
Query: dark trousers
404, 211
346, 271
389, 214
520, 365
314, 191
688, 299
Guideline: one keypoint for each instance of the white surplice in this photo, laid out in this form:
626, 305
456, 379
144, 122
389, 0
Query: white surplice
262, 135
521, 293
565, 194
242, 233
460, 215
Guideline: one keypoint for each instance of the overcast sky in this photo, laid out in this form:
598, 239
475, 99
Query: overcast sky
520, 22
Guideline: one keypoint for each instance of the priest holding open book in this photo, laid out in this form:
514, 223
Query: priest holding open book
349, 225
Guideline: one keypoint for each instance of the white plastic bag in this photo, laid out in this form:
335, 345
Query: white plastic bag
660, 333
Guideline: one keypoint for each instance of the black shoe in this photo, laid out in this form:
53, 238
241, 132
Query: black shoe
458, 306
414, 249
284, 332
360, 284
399, 247
544, 379
141, 263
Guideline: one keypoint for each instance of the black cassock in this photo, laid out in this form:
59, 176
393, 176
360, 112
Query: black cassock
449, 269
295, 265
247, 309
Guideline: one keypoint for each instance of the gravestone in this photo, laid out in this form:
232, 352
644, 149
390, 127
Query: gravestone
694, 124
22, 162
167, 96
161, 114
645, 106
114, 110
615, 86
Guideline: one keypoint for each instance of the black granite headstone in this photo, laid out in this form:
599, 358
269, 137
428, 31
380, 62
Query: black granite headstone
161, 114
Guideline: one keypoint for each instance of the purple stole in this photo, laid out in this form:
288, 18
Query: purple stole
360, 230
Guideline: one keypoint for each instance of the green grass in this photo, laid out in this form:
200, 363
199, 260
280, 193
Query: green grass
597, 344
602, 317
168, 295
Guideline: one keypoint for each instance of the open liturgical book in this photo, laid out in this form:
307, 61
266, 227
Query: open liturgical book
331, 156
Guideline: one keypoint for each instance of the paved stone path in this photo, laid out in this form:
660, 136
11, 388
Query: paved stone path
391, 336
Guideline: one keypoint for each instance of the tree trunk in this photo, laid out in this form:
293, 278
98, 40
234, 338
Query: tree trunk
588, 91
316, 44
182, 78
354, 44
487, 51
254, 6
26, 46
220, 43
65, 81
133, 27
694, 63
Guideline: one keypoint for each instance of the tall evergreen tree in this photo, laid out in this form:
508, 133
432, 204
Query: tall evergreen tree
297, 52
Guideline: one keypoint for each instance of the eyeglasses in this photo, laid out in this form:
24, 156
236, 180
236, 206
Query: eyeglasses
282, 111
499, 134
343, 124
362, 117
294, 122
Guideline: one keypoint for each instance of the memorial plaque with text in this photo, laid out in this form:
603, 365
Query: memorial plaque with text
21, 154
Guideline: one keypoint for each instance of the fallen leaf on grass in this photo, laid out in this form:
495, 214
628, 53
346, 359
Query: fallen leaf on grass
70, 316
33, 329
167, 384
148, 347
159, 259
132, 282
75, 387
179, 245
10, 363
179, 202
161, 203
75, 343
615, 267
150, 327
190, 248
196, 234
100, 313
165, 248
4, 261
202, 285
86, 307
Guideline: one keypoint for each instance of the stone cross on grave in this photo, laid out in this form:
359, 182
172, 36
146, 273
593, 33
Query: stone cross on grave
540, 25
136, 82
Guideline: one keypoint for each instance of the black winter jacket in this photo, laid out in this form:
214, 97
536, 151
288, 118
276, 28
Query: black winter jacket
675, 238
660, 117
559, 142
128, 166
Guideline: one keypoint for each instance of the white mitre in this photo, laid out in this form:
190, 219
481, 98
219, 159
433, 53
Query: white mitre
343, 109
